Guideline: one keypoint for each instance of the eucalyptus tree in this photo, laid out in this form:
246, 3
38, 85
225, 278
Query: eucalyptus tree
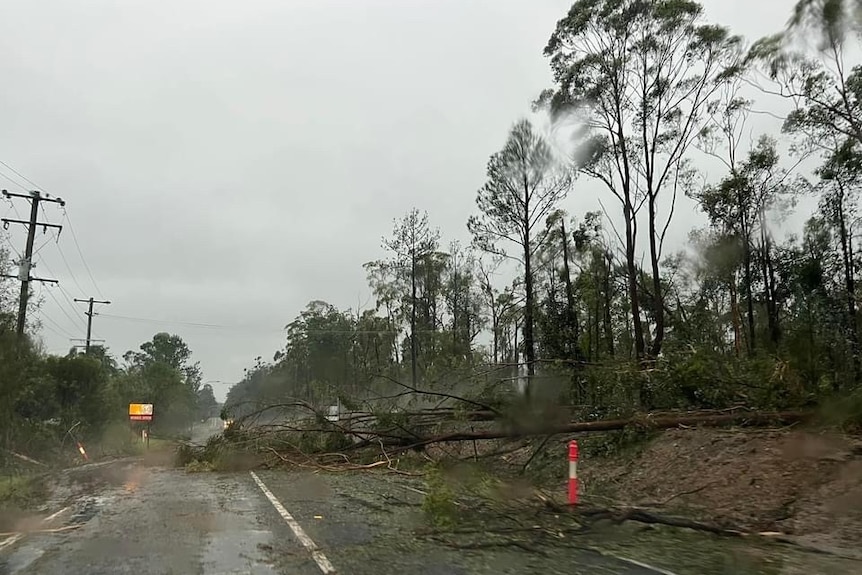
525, 182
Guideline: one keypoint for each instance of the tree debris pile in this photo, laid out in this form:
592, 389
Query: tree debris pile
674, 468
803, 484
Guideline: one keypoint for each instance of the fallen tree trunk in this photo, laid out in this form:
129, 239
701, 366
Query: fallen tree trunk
644, 422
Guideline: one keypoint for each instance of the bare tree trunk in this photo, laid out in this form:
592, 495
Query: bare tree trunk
609, 332
734, 312
749, 296
658, 296
413, 318
529, 343
631, 270
572, 311
849, 283
769, 282
749, 276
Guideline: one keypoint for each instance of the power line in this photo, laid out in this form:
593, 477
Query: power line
252, 328
11, 245
20, 175
65, 261
13, 206
63, 291
80, 253
65, 333
27, 261
170, 322
65, 214
68, 267
70, 317
8, 179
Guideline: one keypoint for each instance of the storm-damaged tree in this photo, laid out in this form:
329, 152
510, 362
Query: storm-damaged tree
503, 307
722, 138
739, 206
463, 305
639, 74
318, 353
831, 19
412, 242
840, 179
822, 86
525, 183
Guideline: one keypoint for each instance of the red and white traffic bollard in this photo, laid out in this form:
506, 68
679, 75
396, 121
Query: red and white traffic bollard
82, 452
573, 472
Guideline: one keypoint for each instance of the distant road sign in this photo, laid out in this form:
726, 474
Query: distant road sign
140, 409
140, 412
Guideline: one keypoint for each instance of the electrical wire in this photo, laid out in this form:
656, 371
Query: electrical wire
69, 299
186, 323
252, 328
63, 257
11, 180
80, 253
60, 306
20, 175
12, 246
65, 333
69, 268
66, 216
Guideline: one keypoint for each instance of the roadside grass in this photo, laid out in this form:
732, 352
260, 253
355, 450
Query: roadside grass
843, 412
119, 441
21, 491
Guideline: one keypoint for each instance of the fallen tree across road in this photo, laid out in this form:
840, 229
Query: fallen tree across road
416, 430
759, 418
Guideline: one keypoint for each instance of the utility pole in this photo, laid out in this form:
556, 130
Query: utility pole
26, 264
89, 314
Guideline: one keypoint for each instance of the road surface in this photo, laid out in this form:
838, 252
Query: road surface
136, 517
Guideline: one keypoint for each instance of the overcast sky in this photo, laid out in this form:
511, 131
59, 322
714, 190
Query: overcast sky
226, 162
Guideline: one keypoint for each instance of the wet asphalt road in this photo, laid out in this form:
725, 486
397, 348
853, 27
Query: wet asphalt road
136, 517
164, 521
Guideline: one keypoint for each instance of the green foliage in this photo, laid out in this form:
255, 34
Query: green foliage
196, 466
742, 317
21, 491
439, 502
844, 412
42, 397
321, 441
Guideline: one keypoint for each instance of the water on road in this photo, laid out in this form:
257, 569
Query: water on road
131, 517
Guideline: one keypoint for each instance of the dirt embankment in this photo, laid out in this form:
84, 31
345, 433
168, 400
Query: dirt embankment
804, 484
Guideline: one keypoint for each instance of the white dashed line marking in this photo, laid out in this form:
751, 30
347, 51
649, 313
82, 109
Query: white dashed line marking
10, 540
316, 554
644, 565
56, 514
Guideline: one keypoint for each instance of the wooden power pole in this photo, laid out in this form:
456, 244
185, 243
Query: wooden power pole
26, 263
89, 313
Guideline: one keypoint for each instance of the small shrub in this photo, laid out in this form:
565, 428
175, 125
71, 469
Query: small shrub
439, 503
21, 490
197, 466
844, 412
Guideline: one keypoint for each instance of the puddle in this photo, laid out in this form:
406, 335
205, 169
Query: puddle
88, 507
240, 551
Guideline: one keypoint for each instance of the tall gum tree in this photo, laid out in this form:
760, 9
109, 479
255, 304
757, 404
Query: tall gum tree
640, 75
